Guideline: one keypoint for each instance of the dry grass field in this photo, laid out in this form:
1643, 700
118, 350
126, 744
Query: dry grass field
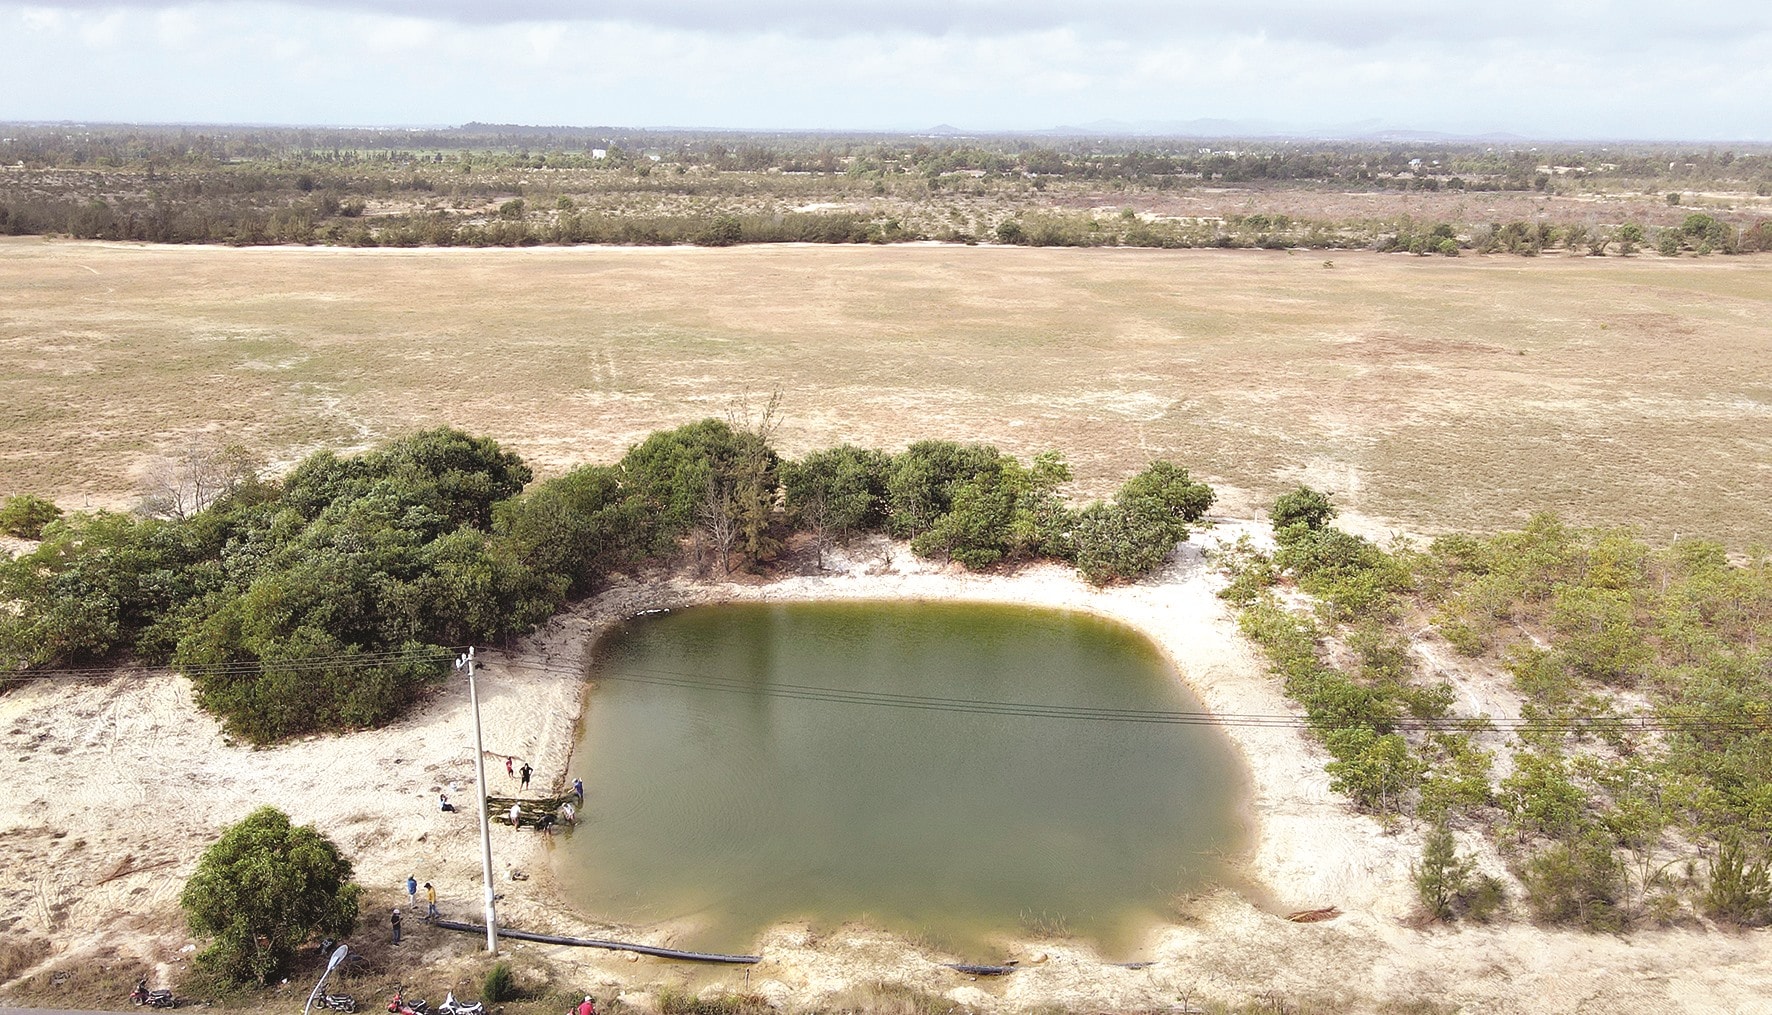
1428, 394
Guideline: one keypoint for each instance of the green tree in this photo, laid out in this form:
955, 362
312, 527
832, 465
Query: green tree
669, 473
1137, 532
1442, 877
263, 890
1115, 544
1303, 506
1540, 798
755, 481
93, 586
923, 479
1005, 511
451, 477
846, 482
580, 526
1164, 490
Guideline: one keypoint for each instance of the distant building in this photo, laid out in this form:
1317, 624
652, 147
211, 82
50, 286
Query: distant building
599, 153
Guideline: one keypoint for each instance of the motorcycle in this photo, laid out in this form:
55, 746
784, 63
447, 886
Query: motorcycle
339, 1002
141, 995
398, 1005
451, 1006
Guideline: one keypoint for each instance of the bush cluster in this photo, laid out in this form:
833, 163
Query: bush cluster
971, 504
1604, 826
24, 516
334, 598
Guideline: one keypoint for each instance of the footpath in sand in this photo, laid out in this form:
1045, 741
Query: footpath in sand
112, 789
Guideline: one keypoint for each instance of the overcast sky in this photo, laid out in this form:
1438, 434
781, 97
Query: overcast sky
1596, 69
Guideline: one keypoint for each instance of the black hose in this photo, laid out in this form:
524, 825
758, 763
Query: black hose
617, 946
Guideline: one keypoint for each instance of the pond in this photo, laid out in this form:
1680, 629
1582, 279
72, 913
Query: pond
959, 774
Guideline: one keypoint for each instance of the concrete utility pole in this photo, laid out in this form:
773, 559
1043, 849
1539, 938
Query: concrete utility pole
466, 662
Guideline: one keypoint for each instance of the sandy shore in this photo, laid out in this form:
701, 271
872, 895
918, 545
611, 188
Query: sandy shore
112, 789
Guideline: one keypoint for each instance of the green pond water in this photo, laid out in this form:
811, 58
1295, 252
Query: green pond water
749, 764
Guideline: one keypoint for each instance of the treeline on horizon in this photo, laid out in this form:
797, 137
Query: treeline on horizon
1490, 164
333, 598
483, 185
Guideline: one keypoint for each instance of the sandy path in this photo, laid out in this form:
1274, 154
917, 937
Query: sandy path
113, 788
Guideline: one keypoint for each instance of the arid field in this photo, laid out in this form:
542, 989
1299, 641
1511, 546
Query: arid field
1426, 394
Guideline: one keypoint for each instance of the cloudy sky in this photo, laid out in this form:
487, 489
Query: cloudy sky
1550, 68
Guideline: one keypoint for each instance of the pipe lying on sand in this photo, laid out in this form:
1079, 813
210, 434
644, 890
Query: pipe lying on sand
615, 946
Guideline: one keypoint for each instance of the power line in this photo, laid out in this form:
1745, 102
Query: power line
1702, 722
246, 667
1083, 713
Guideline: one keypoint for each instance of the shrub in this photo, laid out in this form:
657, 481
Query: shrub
500, 984
1374, 769
1351, 577
1739, 888
1251, 572
679, 1001
1303, 506
1576, 882
25, 515
1116, 544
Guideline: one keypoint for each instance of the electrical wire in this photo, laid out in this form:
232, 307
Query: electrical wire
680, 680
801, 692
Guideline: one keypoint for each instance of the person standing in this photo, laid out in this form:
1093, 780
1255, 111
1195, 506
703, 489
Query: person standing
430, 902
394, 920
568, 814
516, 815
578, 789
411, 890
524, 772
508, 760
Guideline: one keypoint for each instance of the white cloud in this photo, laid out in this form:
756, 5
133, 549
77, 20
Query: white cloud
1546, 68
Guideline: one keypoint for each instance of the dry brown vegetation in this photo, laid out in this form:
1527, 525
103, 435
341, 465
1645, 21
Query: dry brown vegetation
1425, 393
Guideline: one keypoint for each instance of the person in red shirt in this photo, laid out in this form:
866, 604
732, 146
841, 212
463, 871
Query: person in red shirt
588, 1006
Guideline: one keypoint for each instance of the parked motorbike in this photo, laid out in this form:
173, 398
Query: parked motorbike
398, 1005
141, 995
339, 1002
451, 1006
